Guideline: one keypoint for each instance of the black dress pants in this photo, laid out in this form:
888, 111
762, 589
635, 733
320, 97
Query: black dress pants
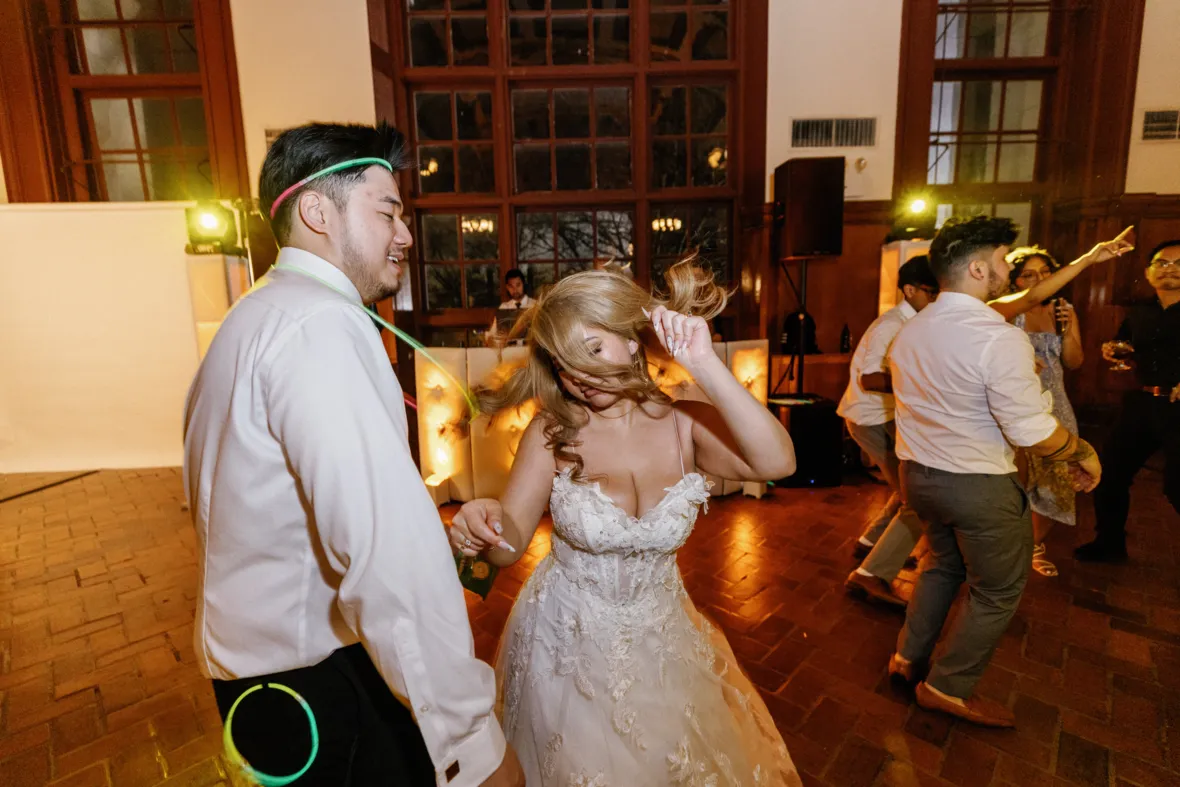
367, 737
1145, 425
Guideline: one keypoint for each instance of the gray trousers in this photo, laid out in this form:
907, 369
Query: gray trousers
980, 531
895, 530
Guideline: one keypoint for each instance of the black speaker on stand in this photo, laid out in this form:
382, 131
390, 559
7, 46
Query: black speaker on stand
808, 224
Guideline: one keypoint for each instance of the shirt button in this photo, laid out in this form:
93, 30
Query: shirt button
424, 709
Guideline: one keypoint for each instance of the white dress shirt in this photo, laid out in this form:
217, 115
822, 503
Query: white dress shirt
965, 387
871, 408
525, 303
315, 529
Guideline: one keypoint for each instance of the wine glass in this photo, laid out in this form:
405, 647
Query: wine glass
1120, 349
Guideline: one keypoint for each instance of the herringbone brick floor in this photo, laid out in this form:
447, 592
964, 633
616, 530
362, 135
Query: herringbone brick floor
98, 684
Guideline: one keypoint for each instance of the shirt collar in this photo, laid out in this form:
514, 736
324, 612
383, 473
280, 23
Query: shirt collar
907, 311
961, 301
317, 267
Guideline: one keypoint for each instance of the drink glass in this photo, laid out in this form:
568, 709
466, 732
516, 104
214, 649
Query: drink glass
1120, 350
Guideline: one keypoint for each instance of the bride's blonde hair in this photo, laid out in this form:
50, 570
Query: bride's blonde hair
607, 300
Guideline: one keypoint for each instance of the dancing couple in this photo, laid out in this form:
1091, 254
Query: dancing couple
325, 568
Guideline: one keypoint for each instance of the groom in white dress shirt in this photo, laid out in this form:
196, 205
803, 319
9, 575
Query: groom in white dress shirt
324, 566
966, 393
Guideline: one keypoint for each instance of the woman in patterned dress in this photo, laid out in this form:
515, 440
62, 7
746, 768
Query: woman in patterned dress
1052, 328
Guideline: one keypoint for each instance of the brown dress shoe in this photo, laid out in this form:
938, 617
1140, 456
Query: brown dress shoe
977, 710
872, 589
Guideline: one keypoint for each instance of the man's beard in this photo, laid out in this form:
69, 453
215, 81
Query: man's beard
997, 285
367, 283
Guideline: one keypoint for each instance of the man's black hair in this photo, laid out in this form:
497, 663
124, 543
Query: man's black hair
960, 239
916, 273
515, 273
1165, 245
299, 152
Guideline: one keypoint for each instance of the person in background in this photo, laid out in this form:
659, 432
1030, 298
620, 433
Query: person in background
1052, 327
966, 392
1150, 417
867, 410
323, 562
514, 286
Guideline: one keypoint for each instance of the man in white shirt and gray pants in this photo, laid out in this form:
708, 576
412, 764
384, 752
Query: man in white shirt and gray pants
867, 410
966, 391
324, 565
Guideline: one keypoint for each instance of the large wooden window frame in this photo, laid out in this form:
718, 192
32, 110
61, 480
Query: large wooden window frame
921, 68
640, 74
47, 137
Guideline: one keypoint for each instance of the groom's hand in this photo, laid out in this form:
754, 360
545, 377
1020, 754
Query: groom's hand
509, 774
476, 527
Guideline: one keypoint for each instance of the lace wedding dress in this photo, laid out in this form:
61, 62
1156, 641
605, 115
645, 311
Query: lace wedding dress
610, 677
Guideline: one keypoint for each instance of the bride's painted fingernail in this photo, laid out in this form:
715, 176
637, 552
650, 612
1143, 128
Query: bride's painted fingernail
506, 545
499, 530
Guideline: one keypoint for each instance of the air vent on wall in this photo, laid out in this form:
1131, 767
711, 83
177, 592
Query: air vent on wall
1161, 124
834, 133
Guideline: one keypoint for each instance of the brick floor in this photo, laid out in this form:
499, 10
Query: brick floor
98, 684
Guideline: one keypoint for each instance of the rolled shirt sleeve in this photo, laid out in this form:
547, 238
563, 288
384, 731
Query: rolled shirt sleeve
1014, 390
380, 530
876, 354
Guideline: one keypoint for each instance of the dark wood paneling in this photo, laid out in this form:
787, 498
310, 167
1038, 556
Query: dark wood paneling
223, 100
840, 290
750, 224
914, 93
24, 138
843, 291
826, 374
1098, 84
1099, 94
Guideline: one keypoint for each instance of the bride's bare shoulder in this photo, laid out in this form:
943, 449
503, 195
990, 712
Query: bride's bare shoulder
537, 427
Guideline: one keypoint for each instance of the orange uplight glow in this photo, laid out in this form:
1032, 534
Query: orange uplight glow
441, 410
750, 368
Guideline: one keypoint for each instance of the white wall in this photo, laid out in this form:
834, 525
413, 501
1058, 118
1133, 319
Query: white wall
300, 61
835, 58
98, 344
1155, 166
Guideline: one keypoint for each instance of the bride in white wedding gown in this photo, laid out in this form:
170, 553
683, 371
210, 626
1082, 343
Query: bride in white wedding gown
608, 675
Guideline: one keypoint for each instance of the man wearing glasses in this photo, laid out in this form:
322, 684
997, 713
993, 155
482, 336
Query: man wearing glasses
1150, 418
867, 409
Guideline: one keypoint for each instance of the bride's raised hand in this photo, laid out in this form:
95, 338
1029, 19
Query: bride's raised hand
687, 339
476, 528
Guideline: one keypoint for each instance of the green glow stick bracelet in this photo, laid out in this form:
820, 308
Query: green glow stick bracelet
236, 758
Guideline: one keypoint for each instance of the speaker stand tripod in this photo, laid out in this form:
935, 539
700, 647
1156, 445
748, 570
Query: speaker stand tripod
796, 363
